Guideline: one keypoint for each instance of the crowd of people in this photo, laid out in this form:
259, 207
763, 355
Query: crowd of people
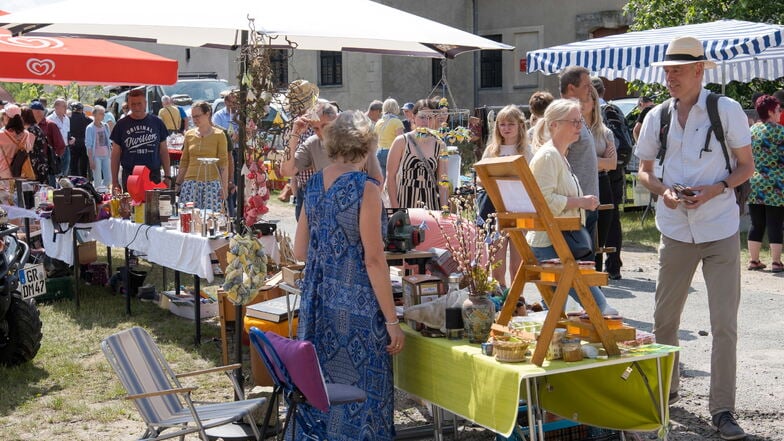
106, 149
574, 157
345, 167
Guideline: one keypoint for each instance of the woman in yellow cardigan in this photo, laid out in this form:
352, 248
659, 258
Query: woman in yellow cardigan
203, 184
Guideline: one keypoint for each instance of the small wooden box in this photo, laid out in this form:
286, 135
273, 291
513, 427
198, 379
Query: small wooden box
88, 252
421, 288
292, 273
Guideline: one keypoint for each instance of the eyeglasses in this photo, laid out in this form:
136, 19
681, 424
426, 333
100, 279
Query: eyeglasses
577, 123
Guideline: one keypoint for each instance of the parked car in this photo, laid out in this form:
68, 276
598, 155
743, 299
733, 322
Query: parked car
204, 89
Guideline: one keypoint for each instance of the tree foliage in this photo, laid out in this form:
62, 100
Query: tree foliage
27, 92
654, 14
23, 92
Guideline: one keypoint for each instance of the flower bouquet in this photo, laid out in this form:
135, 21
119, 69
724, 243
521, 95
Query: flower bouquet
473, 243
474, 246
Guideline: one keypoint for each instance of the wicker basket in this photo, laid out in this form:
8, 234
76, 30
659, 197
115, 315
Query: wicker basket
509, 351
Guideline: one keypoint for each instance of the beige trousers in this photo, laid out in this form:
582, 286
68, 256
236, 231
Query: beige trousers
721, 269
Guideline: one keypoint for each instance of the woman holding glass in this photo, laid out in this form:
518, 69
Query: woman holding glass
206, 185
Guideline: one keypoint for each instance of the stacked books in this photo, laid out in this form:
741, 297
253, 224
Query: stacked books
275, 310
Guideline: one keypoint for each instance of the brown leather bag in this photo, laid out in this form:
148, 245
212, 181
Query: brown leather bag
72, 206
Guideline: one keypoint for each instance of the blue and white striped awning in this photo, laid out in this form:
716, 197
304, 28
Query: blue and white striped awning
744, 50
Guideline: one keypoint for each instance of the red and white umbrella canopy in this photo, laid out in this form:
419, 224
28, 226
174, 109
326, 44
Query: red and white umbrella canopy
59, 60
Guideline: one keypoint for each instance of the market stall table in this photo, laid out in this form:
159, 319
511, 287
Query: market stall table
187, 253
612, 392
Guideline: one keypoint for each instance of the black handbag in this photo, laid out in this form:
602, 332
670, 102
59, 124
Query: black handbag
17, 162
484, 206
579, 242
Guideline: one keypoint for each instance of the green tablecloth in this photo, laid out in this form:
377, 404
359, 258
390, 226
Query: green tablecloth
456, 376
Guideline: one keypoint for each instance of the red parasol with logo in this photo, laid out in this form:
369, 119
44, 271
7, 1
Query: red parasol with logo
61, 60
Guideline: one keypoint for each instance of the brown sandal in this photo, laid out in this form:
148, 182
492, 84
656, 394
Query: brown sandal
776, 267
756, 265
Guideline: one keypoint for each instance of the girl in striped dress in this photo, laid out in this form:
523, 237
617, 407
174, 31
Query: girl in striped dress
412, 166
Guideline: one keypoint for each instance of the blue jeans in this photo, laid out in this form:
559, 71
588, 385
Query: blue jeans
591, 218
382, 159
544, 253
101, 173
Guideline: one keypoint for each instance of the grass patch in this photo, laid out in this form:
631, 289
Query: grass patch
645, 235
638, 233
69, 391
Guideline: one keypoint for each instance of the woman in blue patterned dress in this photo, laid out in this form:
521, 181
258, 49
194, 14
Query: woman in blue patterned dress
347, 309
766, 202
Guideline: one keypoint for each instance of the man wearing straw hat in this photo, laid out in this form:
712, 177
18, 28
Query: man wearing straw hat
698, 224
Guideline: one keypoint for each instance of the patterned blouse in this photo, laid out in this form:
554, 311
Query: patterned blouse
767, 183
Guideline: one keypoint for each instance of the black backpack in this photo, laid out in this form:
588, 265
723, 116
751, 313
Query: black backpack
743, 190
614, 120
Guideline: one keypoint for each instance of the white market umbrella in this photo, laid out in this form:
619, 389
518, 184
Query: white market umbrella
347, 25
744, 51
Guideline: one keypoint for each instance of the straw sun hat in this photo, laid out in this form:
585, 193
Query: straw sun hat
685, 50
302, 95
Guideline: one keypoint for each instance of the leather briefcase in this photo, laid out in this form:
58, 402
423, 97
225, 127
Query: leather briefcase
72, 206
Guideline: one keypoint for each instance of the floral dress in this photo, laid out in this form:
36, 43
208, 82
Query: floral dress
339, 312
767, 182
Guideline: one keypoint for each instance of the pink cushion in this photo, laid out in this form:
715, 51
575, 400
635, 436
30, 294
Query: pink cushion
301, 361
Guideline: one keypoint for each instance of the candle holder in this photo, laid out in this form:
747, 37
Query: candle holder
204, 163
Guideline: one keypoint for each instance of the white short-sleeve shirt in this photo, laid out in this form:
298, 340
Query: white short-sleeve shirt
686, 162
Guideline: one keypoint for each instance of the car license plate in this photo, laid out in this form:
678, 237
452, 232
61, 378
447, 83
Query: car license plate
32, 281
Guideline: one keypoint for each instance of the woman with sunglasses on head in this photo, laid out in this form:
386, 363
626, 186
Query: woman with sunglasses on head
553, 134
412, 164
205, 185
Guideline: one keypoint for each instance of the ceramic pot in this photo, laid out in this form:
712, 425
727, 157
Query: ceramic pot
478, 317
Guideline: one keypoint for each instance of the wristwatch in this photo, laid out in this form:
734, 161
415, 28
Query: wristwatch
726, 186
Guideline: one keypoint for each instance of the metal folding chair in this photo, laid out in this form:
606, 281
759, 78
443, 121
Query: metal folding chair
158, 395
295, 370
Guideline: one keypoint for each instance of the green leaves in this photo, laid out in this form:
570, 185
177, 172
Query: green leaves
655, 14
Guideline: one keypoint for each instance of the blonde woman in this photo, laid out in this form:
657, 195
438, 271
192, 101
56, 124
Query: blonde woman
607, 159
509, 138
387, 129
560, 126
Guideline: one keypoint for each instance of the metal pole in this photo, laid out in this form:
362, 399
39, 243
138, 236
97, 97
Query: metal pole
242, 135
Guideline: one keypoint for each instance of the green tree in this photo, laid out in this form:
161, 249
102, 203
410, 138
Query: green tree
23, 92
654, 14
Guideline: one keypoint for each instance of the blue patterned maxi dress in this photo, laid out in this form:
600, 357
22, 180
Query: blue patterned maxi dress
340, 314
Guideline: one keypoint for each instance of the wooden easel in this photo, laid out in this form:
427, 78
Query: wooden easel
521, 207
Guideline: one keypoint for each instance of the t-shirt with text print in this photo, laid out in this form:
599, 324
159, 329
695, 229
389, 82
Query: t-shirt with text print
140, 141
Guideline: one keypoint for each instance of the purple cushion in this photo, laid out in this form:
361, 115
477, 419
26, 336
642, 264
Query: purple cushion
300, 359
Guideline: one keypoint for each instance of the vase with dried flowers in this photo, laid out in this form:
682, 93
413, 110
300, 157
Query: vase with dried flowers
474, 245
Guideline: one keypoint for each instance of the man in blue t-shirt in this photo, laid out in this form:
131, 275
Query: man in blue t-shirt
139, 139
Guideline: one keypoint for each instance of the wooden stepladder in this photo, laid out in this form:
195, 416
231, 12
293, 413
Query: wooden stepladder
521, 207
